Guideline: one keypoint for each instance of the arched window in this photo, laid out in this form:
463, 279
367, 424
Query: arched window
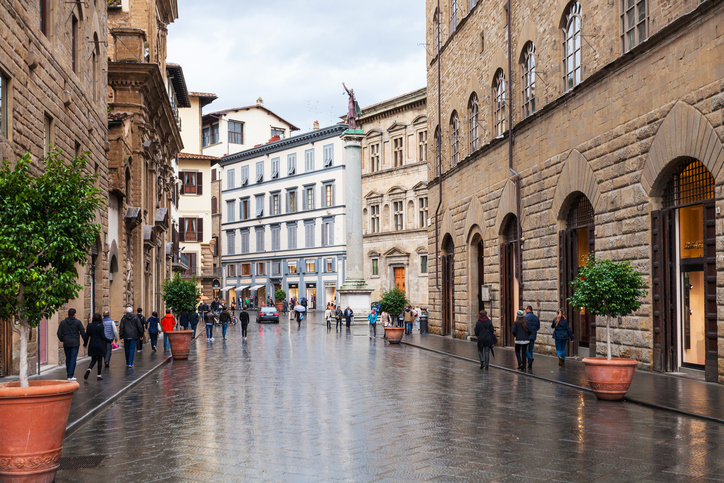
528, 83
214, 205
453, 15
572, 46
454, 138
436, 30
473, 121
438, 149
499, 104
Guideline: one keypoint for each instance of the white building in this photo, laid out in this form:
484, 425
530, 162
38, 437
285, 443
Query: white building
235, 130
283, 219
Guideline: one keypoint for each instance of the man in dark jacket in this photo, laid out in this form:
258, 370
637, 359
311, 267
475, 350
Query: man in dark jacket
193, 322
244, 319
348, 314
130, 330
485, 332
142, 319
534, 325
184, 320
69, 333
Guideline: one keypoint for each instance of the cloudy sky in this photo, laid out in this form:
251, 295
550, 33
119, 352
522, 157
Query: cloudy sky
296, 54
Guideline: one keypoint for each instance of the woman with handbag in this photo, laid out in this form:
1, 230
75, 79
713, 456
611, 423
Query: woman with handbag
152, 328
485, 332
522, 339
562, 334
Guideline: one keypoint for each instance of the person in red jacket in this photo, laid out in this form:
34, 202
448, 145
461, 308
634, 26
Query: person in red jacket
167, 324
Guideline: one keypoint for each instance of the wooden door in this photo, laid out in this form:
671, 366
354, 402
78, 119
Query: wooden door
507, 293
662, 288
481, 277
400, 278
711, 372
448, 294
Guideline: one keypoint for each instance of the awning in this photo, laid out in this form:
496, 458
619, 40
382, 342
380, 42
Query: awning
242, 287
257, 287
226, 289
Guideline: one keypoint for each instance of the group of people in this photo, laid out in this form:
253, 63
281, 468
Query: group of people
525, 331
332, 312
409, 316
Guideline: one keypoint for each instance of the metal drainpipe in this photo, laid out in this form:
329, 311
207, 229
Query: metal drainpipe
438, 40
519, 251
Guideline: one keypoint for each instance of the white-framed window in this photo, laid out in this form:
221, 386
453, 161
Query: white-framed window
329, 262
292, 164
259, 171
328, 152
261, 268
375, 218
309, 160
399, 215
244, 176
398, 152
236, 132
275, 131
311, 266
275, 168
309, 198
634, 19
292, 201
292, 267
328, 195
528, 81
572, 47
230, 178
499, 105
231, 270
259, 206
275, 204
230, 211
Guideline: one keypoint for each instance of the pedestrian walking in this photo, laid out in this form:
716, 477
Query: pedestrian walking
385, 319
373, 323
130, 330
485, 332
534, 326
194, 322
225, 318
209, 319
244, 319
96, 340
416, 312
109, 327
409, 318
328, 317
167, 324
183, 320
562, 334
285, 306
348, 314
152, 328
338, 316
142, 319
233, 308
70, 330
522, 338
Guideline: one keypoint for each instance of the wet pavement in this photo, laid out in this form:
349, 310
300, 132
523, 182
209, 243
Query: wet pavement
310, 404
661, 391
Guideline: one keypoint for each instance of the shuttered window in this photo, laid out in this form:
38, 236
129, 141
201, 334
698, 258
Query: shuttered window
309, 235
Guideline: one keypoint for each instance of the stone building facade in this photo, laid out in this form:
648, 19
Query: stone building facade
52, 72
617, 122
395, 204
144, 95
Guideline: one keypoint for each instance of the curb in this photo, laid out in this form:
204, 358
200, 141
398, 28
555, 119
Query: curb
574, 386
76, 425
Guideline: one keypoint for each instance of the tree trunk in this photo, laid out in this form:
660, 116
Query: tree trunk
608, 338
24, 353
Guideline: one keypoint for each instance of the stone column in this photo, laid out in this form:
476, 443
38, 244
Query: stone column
354, 293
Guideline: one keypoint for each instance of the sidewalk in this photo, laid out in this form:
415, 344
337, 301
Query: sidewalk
94, 395
682, 395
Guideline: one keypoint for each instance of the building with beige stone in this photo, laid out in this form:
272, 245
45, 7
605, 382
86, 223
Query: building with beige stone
616, 111
395, 204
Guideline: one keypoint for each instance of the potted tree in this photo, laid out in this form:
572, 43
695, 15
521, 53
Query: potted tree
180, 294
279, 297
394, 302
47, 229
609, 289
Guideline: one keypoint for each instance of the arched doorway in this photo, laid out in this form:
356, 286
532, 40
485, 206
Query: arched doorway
683, 240
510, 293
574, 245
448, 286
476, 276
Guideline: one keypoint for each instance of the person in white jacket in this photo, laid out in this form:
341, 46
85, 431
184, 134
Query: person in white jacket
416, 312
328, 316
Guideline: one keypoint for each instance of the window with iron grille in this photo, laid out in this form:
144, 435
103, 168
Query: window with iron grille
473, 114
580, 214
454, 138
236, 132
511, 230
691, 183
528, 79
499, 104
633, 23
572, 47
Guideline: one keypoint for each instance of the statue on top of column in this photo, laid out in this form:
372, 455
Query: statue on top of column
353, 111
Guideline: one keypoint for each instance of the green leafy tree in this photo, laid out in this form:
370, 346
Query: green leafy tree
280, 295
181, 294
394, 302
608, 288
46, 229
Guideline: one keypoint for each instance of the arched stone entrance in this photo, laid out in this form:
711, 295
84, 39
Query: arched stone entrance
511, 297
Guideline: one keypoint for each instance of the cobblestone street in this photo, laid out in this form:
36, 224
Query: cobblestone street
310, 404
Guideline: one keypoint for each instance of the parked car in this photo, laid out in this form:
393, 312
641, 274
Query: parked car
268, 314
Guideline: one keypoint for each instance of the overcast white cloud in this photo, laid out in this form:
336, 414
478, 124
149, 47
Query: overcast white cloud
296, 54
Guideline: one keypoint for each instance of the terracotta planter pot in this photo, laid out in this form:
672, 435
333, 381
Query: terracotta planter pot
609, 380
280, 306
394, 334
180, 343
32, 425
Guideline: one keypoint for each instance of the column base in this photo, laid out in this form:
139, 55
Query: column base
358, 296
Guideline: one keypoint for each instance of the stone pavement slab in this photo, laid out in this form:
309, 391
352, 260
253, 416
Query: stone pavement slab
309, 404
684, 395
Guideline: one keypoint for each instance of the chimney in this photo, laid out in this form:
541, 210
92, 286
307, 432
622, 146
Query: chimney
260, 102
316, 126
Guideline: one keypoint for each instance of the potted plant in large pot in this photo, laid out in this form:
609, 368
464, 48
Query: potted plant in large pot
609, 289
279, 297
47, 229
180, 295
394, 302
